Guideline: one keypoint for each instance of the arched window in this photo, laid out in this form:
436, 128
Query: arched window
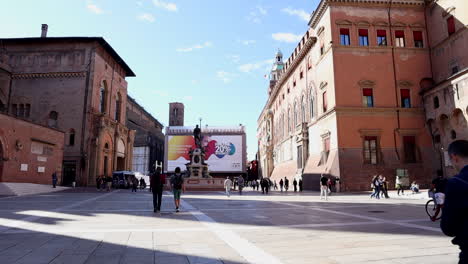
303, 105
295, 114
436, 102
106, 146
453, 134
71, 137
102, 97
53, 118
118, 106
312, 112
289, 119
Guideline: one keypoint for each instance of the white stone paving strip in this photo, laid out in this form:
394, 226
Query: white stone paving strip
405, 224
7, 224
243, 247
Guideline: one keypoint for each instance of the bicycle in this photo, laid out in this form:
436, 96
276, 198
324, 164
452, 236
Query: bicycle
431, 207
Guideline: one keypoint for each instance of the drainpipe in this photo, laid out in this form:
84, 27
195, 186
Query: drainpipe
395, 81
83, 122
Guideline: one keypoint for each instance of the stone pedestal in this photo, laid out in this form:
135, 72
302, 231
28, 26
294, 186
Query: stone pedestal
197, 167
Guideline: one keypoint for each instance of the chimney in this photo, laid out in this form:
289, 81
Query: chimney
44, 30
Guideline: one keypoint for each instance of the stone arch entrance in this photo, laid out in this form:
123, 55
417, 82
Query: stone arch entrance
120, 155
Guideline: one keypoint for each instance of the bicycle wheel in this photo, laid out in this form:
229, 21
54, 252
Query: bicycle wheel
431, 208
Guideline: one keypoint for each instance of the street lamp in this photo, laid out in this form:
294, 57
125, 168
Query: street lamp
200, 119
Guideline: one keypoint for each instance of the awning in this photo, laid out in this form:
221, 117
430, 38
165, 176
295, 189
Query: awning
284, 169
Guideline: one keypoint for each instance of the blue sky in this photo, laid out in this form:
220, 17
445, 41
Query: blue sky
211, 55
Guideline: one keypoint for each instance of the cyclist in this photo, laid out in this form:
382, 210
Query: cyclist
438, 185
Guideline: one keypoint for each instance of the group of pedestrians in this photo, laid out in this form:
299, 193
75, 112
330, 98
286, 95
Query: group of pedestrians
379, 185
104, 183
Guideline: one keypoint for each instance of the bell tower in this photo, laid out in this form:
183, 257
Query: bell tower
176, 114
276, 70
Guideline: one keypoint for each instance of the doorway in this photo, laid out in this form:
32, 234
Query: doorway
69, 173
120, 163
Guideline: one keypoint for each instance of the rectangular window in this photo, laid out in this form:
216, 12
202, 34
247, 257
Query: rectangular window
14, 109
363, 37
301, 75
321, 50
409, 145
450, 25
344, 37
27, 110
405, 98
324, 100
21, 110
367, 97
381, 37
418, 39
299, 157
326, 151
399, 38
370, 150
72, 139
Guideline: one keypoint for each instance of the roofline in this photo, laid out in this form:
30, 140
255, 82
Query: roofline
144, 110
322, 6
100, 40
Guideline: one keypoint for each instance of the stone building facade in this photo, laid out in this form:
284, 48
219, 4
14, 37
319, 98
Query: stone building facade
76, 85
346, 102
445, 95
148, 147
29, 152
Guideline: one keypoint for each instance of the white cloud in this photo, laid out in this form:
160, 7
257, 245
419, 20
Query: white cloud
188, 98
146, 17
286, 37
166, 5
234, 58
261, 10
255, 16
247, 42
225, 76
207, 44
301, 13
249, 67
94, 8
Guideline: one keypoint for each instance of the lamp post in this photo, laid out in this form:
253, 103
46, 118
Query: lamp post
200, 119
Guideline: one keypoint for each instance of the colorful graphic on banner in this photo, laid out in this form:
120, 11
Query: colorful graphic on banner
222, 153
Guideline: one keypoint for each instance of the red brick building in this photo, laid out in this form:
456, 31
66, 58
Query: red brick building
29, 152
346, 102
76, 85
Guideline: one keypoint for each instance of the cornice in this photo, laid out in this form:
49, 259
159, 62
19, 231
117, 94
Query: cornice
48, 75
317, 14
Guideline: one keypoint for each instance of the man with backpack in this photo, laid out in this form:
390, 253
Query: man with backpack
455, 211
177, 184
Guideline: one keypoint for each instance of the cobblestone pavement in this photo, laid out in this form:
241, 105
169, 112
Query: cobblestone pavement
120, 227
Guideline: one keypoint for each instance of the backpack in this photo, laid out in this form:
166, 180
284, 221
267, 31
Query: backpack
178, 181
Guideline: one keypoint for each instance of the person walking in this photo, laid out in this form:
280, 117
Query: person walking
275, 186
157, 182
142, 183
240, 181
286, 183
228, 186
399, 185
177, 185
323, 187
455, 211
108, 183
281, 185
300, 185
54, 179
98, 183
384, 186
295, 185
376, 183
134, 184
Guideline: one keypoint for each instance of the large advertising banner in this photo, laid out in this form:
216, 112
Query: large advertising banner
224, 153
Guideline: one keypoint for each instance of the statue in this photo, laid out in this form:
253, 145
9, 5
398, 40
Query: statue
197, 137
